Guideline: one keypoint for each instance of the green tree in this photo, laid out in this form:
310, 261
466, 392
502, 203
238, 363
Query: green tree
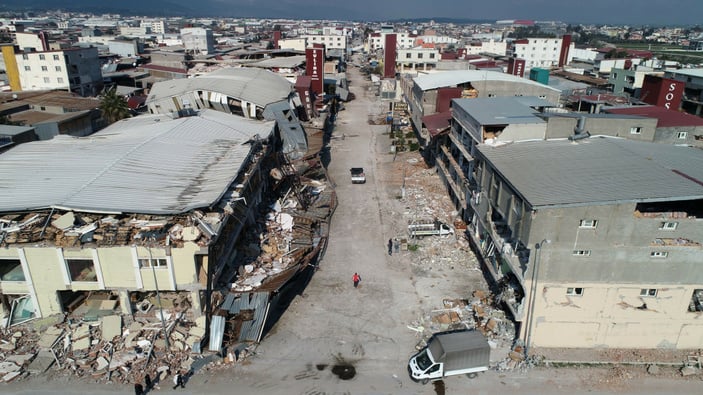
113, 106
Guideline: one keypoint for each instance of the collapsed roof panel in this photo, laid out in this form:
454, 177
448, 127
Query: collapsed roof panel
147, 164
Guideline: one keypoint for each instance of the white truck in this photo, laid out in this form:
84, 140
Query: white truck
449, 354
357, 175
429, 227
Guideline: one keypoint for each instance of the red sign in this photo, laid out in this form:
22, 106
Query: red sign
564, 54
662, 92
516, 67
314, 63
389, 56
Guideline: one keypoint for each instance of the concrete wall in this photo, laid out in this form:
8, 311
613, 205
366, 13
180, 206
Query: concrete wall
563, 127
117, 268
675, 135
527, 131
611, 315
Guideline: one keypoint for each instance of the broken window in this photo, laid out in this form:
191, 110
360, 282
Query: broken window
574, 291
668, 225
648, 292
11, 270
21, 310
81, 269
588, 223
696, 303
153, 262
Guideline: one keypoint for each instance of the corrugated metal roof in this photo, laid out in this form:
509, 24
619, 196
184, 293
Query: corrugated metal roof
284, 62
148, 164
455, 77
498, 110
217, 333
598, 170
255, 85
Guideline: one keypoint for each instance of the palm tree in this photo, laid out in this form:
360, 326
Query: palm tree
113, 106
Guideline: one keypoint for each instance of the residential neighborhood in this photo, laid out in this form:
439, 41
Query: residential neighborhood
177, 202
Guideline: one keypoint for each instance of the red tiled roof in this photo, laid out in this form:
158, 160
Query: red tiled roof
436, 123
666, 118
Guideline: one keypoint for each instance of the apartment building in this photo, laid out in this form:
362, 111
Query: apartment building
542, 52
199, 40
432, 93
417, 58
377, 41
629, 80
76, 70
592, 240
595, 243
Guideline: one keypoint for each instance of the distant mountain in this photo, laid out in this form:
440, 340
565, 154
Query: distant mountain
456, 21
123, 7
200, 8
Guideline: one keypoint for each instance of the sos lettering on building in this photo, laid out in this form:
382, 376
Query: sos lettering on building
662, 92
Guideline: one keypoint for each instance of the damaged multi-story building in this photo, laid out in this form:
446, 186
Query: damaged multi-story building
593, 241
179, 203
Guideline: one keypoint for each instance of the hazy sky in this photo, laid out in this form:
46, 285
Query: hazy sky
633, 12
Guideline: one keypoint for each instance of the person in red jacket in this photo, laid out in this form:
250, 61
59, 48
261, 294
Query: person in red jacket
356, 278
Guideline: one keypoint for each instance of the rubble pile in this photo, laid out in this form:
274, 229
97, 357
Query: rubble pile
477, 313
110, 347
69, 229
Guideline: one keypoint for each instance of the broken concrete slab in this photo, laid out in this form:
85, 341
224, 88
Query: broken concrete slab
8, 367
197, 331
81, 344
102, 363
80, 332
111, 327
19, 359
11, 376
177, 335
7, 346
42, 362
49, 337
688, 371
65, 221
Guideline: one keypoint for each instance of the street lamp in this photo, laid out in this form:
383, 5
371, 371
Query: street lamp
158, 295
533, 292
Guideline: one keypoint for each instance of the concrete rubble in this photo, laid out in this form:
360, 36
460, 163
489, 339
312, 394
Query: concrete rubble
424, 197
114, 348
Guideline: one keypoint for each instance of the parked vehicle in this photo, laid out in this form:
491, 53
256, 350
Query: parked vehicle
429, 227
357, 175
449, 354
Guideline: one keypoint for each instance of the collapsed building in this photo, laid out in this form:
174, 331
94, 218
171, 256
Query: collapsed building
155, 219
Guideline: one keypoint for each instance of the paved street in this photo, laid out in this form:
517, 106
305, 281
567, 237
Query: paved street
335, 339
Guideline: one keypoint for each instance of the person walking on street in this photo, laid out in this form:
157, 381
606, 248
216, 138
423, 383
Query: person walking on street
177, 381
356, 278
147, 382
390, 246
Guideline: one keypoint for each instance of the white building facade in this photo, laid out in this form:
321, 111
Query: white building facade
539, 52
